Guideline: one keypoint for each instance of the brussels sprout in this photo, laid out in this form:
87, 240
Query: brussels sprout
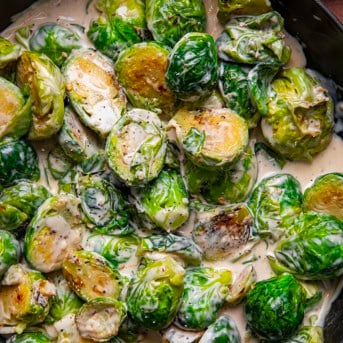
155, 293
93, 90
17, 161
112, 36
299, 121
193, 66
314, 250
29, 337
117, 250
24, 298
254, 39
177, 246
15, 112
91, 276
211, 138
169, 20
326, 195
55, 41
59, 164
53, 233
211, 102
136, 147
9, 53
11, 218
141, 71
229, 8
42, 76
224, 329
204, 294
308, 334
221, 231
173, 334
164, 201
275, 204
65, 300
275, 307
9, 251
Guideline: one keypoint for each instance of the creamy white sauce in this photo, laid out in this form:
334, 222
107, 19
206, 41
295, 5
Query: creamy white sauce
73, 12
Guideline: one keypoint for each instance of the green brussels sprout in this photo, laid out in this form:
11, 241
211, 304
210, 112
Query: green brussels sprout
15, 112
204, 294
211, 138
169, 20
178, 247
59, 164
326, 195
55, 41
299, 121
53, 233
136, 147
275, 203
17, 161
254, 39
9, 53
9, 251
141, 71
155, 293
221, 231
275, 307
29, 337
229, 8
224, 329
193, 67
46, 84
100, 318
91, 276
11, 217
117, 250
308, 334
65, 301
314, 249
25, 298
174, 334
164, 201
111, 36
93, 90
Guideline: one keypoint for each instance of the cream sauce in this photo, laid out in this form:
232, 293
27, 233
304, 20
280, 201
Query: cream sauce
73, 12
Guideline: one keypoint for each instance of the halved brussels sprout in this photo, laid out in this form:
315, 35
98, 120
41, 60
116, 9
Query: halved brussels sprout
93, 90
155, 293
204, 294
275, 203
224, 329
178, 247
9, 251
229, 8
29, 337
211, 138
221, 231
326, 195
275, 307
308, 334
314, 250
25, 298
174, 334
15, 111
91, 276
164, 201
169, 20
104, 206
59, 164
117, 250
55, 41
11, 217
54, 232
17, 161
136, 147
46, 84
65, 301
254, 39
9, 53
299, 121
100, 318
193, 66
141, 71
